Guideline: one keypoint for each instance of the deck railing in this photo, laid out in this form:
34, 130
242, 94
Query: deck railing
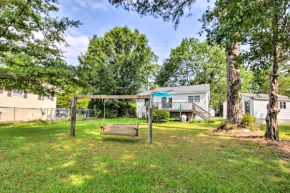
182, 106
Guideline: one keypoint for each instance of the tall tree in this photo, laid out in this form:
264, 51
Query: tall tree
219, 25
120, 63
270, 44
29, 56
194, 62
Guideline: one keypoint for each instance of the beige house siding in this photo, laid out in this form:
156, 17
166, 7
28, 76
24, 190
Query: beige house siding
27, 100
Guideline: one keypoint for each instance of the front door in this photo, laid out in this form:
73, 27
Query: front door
170, 103
247, 107
163, 102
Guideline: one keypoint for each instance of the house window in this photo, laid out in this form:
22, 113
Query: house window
282, 105
197, 99
190, 99
46, 97
17, 93
193, 99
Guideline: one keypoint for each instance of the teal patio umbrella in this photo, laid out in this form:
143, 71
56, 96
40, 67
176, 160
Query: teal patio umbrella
161, 94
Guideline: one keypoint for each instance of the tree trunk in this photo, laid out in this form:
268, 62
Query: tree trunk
234, 102
272, 107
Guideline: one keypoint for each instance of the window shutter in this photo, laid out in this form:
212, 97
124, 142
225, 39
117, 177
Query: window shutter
39, 97
1, 90
9, 94
25, 95
52, 96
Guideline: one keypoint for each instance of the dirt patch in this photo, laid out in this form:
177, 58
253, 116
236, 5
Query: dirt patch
257, 137
170, 138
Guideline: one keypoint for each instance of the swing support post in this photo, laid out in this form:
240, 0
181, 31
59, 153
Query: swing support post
150, 119
73, 116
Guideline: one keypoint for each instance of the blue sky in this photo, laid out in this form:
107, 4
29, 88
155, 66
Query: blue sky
98, 17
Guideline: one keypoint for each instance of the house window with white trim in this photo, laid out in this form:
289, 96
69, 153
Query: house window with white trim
197, 99
194, 99
282, 105
17, 93
190, 99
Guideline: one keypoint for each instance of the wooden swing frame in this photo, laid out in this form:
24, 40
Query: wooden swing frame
74, 109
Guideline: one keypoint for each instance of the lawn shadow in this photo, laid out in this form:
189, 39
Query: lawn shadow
121, 139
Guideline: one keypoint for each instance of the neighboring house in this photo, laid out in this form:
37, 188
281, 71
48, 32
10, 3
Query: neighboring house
18, 105
256, 105
193, 101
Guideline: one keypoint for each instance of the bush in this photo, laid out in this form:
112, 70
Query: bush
160, 116
192, 121
174, 119
249, 121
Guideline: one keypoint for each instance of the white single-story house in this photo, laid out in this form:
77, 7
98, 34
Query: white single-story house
17, 105
193, 101
256, 106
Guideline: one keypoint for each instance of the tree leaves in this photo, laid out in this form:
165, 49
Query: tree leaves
29, 56
121, 62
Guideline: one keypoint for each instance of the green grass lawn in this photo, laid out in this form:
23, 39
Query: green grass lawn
184, 157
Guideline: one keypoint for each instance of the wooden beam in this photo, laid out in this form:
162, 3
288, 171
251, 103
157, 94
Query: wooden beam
150, 120
73, 117
112, 96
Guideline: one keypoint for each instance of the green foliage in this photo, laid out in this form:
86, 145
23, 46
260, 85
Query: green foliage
130, 109
194, 62
160, 116
120, 63
64, 99
29, 55
249, 122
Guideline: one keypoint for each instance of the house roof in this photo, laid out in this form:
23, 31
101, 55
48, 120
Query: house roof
180, 89
264, 96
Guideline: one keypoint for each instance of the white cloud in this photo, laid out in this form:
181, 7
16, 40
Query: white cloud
93, 4
78, 43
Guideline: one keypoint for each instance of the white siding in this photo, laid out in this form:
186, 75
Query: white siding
260, 107
140, 108
225, 109
259, 110
285, 113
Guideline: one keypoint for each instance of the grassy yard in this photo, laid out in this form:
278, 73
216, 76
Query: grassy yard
184, 157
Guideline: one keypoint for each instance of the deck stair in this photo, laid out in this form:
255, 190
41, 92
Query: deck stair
183, 107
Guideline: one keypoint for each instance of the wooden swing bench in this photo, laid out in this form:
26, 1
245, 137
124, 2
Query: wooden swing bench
130, 130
